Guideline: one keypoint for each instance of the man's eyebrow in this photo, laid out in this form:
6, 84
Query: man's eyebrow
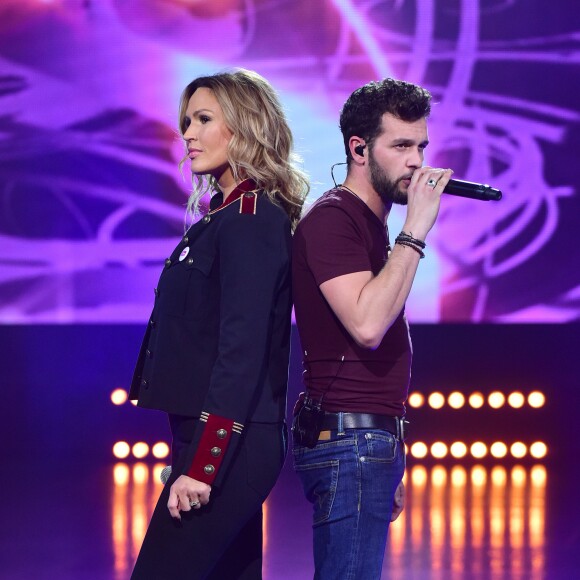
403, 141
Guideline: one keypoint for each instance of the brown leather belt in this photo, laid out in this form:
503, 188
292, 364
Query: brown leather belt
395, 425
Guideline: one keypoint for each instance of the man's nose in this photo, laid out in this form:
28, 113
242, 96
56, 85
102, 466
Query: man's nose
415, 158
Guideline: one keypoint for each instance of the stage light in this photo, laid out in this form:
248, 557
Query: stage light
438, 476
518, 450
518, 475
476, 400
439, 450
496, 400
416, 400
418, 476
536, 399
160, 450
516, 400
538, 450
157, 469
436, 400
121, 474
498, 449
458, 449
538, 475
419, 450
456, 400
478, 475
140, 450
458, 476
478, 450
134, 403
498, 476
121, 449
140, 473
119, 396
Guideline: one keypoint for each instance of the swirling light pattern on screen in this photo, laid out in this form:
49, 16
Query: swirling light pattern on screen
92, 201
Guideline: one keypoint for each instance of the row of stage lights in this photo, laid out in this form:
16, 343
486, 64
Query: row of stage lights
140, 450
478, 450
436, 400
476, 400
419, 450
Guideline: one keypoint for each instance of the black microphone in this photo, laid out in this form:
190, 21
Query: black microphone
472, 190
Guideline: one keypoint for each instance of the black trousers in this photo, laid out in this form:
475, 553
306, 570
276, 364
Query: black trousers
222, 540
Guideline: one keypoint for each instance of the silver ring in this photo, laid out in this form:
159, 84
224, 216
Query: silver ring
431, 182
193, 503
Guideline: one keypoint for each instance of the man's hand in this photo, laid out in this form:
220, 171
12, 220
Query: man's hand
187, 493
398, 502
424, 198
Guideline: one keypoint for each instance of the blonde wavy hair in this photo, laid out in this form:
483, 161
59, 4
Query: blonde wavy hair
261, 147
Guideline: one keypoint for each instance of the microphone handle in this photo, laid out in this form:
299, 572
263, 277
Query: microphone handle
471, 190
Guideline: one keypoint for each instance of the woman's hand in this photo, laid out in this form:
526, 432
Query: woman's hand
187, 493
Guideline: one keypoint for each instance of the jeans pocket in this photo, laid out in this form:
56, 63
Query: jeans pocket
319, 481
381, 446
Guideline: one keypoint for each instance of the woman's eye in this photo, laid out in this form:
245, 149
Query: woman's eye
204, 119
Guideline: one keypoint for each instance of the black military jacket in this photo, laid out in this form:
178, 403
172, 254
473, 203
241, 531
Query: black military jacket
218, 340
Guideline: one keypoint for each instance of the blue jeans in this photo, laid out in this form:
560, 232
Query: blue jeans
351, 481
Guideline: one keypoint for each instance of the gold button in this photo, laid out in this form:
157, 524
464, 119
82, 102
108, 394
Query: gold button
222, 433
168, 262
206, 219
185, 239
190, 261
248, 194
209, 469
216, 451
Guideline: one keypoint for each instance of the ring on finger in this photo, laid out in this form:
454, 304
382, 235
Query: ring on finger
193, 503
431, 182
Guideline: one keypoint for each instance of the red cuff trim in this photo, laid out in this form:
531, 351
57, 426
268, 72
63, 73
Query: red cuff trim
212, 447
248, 203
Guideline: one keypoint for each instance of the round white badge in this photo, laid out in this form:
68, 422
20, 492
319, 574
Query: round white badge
183, 254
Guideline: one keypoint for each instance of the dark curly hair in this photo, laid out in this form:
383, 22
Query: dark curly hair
363, 110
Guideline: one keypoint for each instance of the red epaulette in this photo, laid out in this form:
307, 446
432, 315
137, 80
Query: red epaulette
212, 447
248, 202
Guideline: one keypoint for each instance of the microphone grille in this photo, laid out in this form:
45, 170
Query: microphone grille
165, 474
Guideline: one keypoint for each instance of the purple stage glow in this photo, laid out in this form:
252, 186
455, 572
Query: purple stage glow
92, 200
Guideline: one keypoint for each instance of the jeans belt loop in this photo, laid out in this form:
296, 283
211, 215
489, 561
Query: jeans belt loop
340, 423
399, 428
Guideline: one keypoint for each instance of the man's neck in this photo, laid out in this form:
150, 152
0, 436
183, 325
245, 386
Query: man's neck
365, 191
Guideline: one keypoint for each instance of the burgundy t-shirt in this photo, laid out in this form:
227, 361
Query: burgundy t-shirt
341, 235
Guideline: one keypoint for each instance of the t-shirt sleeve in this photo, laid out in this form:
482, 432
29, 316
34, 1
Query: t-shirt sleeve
333, 244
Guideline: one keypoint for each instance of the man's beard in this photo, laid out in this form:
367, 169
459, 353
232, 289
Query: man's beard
388, 190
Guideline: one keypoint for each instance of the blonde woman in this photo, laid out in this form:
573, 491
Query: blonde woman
215, 353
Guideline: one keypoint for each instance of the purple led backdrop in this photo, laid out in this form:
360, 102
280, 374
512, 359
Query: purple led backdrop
91, 200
